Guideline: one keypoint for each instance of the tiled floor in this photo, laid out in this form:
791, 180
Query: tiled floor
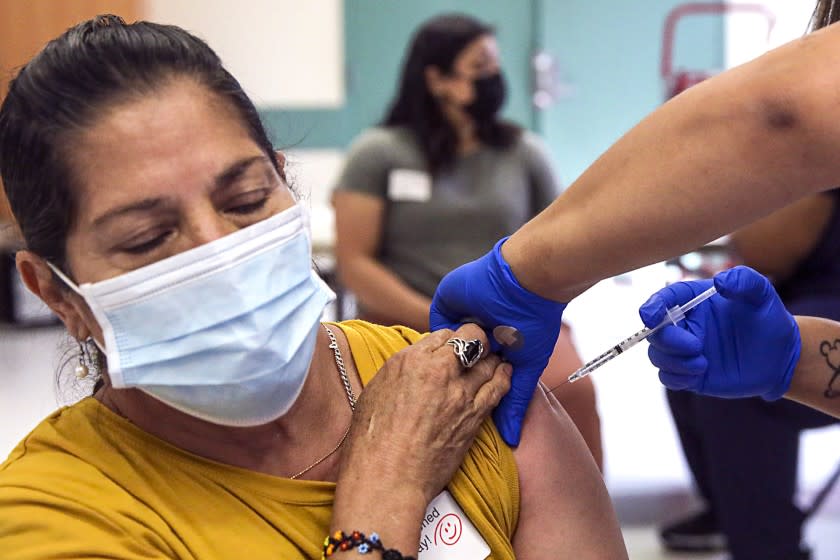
821, 534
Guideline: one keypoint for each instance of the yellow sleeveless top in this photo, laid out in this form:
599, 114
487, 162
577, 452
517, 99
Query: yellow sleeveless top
86, 483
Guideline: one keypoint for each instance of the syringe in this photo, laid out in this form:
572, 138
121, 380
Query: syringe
675, 314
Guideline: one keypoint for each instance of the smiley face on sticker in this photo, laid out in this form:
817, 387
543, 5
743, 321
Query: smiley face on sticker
448, 530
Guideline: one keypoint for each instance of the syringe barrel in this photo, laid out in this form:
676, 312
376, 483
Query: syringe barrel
675, 314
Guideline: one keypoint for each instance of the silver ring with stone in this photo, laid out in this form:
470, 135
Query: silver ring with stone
469, 352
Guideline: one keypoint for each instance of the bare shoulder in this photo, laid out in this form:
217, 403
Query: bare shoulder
565, 510
550, 435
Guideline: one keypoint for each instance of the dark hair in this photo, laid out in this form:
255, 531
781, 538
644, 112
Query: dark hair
437, 43
91, 67
825, 13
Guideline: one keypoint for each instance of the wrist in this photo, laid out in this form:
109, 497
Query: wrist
512, 253
340, 541
784, 383
379, 504
394, 533
535, 269
505, 257
806, 380
504, 273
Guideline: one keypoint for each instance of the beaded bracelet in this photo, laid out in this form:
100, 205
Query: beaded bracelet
342, 542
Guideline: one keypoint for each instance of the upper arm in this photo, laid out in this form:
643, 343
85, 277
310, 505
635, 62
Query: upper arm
358, 224
777, 244
565, 510
360, 195
545, 186
789, 93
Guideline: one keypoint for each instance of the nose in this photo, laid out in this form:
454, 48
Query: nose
211, 231
205, 224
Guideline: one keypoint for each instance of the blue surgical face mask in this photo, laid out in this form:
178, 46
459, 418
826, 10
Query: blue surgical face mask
224, 332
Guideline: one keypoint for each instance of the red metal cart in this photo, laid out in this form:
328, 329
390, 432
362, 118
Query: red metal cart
677, 81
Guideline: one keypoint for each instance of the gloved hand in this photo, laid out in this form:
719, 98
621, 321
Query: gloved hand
487, 291
741, 342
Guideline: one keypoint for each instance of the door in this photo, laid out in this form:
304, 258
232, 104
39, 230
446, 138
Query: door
26, 26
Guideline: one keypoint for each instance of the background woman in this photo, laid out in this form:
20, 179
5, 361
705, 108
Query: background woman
438, 183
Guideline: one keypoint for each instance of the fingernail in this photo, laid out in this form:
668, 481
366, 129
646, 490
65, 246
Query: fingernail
508, 369
651, 309
509, 337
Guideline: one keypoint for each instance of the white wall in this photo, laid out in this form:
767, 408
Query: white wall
286, 53
312, 174
746, 34
29, 360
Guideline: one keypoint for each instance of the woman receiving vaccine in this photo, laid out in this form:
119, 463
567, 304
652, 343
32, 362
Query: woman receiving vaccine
227, 421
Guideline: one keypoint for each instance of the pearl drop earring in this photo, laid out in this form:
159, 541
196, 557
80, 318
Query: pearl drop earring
82, 370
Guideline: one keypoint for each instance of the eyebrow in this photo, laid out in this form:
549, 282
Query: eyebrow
233, 173
222, 181
140, 206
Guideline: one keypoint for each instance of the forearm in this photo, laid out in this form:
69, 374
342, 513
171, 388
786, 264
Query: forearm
383, 295
816, 380
370, 505
725, 153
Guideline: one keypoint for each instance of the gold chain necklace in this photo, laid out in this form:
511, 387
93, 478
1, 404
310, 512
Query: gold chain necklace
351, 398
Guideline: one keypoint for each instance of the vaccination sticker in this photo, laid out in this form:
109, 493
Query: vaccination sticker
447, 533
409, 185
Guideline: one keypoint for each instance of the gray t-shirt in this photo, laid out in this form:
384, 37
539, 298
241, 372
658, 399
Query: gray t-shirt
432, 226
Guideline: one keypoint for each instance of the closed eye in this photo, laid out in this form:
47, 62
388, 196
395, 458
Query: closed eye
146, 246
248, 208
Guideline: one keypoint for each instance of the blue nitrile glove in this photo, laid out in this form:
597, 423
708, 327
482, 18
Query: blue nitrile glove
487, 291
741, 342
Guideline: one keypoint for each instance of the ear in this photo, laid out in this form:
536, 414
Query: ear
41, 281
434, 81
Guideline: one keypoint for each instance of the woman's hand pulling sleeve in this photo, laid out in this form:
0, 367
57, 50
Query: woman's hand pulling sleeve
412, 427
741, 342
486, 291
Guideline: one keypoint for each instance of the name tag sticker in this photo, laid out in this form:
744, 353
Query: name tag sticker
409, 185
447, 533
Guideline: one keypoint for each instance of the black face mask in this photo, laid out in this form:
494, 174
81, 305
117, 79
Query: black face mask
490, 94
